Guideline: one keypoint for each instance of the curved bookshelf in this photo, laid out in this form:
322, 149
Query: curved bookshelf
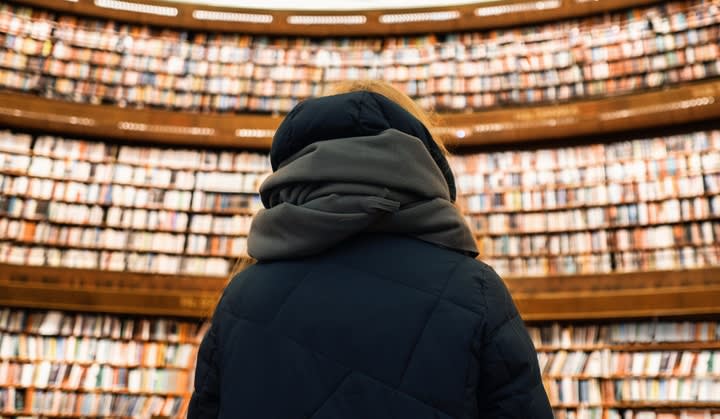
672, 106
579, 297
347, 23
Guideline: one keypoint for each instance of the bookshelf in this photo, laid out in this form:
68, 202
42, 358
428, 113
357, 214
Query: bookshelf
592, 369
105, 61
66, 364
71, 203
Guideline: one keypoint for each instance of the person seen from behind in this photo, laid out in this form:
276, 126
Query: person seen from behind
366, 301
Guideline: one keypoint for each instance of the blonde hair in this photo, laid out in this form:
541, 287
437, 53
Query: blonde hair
428, 118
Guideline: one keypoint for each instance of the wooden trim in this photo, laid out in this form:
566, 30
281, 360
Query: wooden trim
636, 347
672, 106
641, 405
642, 294
25, 111
467, 20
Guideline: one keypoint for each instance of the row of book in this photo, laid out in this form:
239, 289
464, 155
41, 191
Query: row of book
640, 170
672, 211
85, 350
633, 171
656, 149
541, 244
216, 259
268, 96
660, 247
91, 238
143, 158
176, 74
688, 234
157, 263
114, 36
628, 261
61, 323
122, 218
306, 60
108, 194
62, 403
408, 50
603, 413
597, 391
607, 363
124, 174
568, 336
565, 198
220, 225
31, 232
222, 246
61, 376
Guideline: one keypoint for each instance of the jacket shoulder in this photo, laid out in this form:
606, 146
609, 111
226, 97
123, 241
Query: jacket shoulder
476, 286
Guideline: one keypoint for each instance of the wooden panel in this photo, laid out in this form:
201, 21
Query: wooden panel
636, 294
467, 19
668, 107
107, 122
671, 301
672, 106
643, 294
112, 292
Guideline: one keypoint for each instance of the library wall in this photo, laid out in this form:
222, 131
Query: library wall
92, 60
115, 240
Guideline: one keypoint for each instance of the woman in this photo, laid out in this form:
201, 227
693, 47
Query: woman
366, 301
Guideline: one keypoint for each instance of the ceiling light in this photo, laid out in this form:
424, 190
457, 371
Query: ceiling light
326, 20
231, 16
419, 17
137, 7
517, 8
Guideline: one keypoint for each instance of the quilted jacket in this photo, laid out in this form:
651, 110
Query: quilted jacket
381, 327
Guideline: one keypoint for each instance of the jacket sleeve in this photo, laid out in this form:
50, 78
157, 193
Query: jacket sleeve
205, 400
510, 385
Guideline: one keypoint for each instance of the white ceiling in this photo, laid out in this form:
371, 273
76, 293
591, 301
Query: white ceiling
325, 5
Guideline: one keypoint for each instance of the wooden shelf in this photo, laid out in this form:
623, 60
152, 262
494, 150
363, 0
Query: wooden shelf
676, 105
637, 347
103, 182
186, 230
99, 391
42, 219
548, 230
618, 295
370, 25
14, 413
559, 186
113, 182
607, 251
641, 405
220, 211
582, 297
629, 376
69, 246
138, 340
19, 360
506, 210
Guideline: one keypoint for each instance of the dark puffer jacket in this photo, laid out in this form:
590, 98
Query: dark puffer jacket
380, 327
